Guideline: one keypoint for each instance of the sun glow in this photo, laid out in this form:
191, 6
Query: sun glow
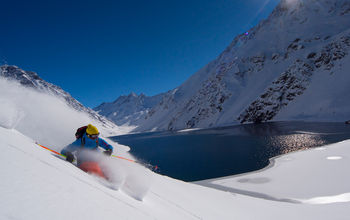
291, 2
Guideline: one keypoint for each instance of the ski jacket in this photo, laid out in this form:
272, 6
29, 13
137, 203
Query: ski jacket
86, 143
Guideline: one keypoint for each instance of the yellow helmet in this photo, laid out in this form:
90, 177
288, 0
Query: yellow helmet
91, 130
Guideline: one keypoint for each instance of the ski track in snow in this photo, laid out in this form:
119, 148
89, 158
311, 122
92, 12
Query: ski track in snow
329, 160
250, 193
176, 205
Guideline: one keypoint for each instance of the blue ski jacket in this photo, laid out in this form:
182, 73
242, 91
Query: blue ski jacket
86, 143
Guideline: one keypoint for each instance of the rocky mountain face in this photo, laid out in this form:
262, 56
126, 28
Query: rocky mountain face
32, 79
295, 80
130, 109
293, 65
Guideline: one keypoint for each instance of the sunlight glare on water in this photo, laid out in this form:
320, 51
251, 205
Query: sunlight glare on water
294, 142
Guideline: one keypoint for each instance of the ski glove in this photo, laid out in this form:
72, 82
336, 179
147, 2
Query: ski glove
108, 152
69, 157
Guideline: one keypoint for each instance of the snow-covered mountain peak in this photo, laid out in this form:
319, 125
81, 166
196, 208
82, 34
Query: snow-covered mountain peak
132, 94
27, 78
288, 5
128, 109
303, 10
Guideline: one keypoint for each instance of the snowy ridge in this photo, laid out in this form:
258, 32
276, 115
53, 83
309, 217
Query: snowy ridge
128, 109
45, 118
32, 80
263, 72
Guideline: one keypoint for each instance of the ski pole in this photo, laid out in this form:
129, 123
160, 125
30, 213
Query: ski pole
124, 158
134, 161
119, 157
51, 150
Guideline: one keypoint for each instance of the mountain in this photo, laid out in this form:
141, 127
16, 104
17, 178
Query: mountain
32, 80
293, 65
130, 109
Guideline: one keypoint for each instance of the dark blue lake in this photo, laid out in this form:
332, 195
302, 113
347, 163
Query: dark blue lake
211, 153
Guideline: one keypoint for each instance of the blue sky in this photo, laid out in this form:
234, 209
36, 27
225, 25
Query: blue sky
99, 50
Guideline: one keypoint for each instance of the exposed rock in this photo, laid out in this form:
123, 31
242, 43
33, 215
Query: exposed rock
283, 90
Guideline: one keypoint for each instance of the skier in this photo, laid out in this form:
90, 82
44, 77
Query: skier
87, 142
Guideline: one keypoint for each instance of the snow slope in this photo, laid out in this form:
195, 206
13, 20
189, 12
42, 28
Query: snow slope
317, 176
44, 117
297, 57
37, 185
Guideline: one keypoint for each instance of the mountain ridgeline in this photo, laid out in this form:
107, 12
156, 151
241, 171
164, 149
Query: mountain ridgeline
130, 109
292, 66
33, 80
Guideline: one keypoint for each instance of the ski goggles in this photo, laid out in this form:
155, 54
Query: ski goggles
93, 136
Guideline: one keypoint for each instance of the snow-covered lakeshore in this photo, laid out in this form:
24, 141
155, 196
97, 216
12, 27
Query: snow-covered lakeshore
314, 176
